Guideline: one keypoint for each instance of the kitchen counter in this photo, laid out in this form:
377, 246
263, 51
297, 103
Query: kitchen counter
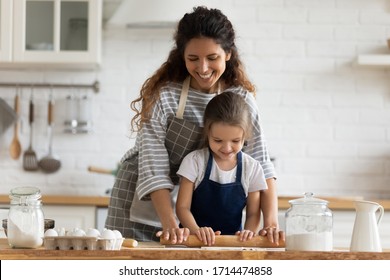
99, 201
343, 203
155, 251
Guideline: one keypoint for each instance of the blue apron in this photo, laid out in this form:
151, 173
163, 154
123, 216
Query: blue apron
219, 206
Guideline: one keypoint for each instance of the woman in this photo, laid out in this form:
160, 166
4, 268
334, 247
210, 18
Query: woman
169, 116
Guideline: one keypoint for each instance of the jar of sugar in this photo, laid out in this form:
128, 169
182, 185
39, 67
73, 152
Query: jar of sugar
309, 224
25, 226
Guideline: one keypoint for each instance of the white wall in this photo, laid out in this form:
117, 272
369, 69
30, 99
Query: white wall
326, 119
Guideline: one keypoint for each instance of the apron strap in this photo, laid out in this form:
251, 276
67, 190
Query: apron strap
183, 97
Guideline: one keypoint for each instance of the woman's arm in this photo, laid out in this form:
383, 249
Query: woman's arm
162, 203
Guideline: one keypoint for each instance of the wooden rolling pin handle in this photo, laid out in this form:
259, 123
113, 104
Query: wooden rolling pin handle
130, 243
99, 170
229, 241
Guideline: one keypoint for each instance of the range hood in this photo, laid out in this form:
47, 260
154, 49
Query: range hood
151, 13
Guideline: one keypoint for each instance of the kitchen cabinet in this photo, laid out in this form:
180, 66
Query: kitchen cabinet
51, 32
71, 216
5, 30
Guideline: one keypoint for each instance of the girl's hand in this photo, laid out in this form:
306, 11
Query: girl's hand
206, 235
273, 234
245, 234
175, 235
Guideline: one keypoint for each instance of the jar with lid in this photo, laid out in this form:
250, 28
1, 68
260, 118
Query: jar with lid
309, 224
25, 225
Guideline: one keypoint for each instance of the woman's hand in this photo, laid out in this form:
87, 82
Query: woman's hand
206, 235
175, 235
245, 234
273, 234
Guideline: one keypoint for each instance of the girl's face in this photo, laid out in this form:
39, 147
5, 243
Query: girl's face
205, 61
225, 140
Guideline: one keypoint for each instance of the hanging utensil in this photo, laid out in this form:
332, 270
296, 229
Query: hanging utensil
50, 163
30, 162
15, 148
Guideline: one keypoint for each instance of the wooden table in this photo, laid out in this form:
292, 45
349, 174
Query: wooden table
155, 251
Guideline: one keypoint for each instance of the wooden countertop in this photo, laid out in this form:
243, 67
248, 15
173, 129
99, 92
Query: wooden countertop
99, 201
343, 203
154, 251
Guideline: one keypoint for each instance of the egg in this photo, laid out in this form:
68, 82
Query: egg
108, 234
117, 233
78, 232
92, 232
61, 232
51, 233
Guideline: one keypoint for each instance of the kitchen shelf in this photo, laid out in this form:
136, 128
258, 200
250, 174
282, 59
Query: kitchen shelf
378, 60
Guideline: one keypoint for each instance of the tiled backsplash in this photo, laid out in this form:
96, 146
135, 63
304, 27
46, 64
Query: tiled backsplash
327, 120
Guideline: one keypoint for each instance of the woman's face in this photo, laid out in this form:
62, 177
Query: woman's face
205, 61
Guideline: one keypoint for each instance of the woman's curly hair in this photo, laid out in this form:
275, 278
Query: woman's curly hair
202, 22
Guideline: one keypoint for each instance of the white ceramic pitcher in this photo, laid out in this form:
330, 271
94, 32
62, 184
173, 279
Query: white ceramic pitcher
365, 235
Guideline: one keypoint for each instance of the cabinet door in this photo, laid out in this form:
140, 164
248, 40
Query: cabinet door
57, 31
5, 30
70, 217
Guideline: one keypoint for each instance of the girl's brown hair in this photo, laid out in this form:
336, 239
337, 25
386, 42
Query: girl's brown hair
229, 108
202, 22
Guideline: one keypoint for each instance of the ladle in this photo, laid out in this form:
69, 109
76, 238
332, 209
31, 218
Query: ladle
15, 148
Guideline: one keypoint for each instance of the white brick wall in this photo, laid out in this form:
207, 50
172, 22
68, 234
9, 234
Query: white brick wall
326, 118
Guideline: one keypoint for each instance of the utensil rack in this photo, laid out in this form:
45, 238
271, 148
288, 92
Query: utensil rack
95, 86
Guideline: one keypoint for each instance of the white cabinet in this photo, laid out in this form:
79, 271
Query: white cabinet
71, 216
5, 30
52, 32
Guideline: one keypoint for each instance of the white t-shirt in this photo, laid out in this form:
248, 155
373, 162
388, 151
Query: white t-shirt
193, 167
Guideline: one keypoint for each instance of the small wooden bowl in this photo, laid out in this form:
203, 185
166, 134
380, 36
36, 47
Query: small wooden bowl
49, 223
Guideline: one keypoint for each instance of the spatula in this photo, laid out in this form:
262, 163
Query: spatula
50, 163
30, 162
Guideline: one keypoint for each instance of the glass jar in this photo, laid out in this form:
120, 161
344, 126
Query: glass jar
25, 225
309, 225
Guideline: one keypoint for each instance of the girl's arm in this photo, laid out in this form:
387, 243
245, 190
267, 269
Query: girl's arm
269, 207
252, 220
253, 215
183, 205
183, 212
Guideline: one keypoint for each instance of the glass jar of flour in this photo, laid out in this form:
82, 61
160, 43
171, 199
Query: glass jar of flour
25, 225
309, 225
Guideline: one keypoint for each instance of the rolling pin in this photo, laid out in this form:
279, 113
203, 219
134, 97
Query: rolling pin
130, 243
229, 241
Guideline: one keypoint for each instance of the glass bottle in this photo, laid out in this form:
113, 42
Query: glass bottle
25, 225
309, 225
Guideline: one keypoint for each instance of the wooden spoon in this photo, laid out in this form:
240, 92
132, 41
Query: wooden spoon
15, 149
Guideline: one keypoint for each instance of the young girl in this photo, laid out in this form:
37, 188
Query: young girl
219, 181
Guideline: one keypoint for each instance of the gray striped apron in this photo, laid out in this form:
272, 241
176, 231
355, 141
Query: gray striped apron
182, 137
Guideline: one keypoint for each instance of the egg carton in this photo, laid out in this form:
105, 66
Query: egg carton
81, 243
